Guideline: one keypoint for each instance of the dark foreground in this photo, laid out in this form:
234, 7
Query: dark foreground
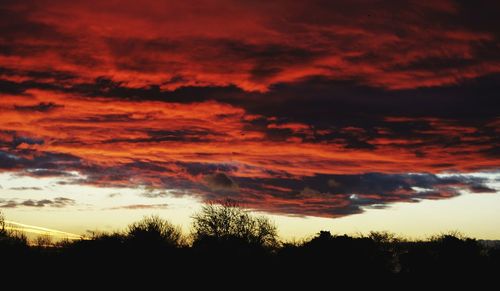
231, 249
325, 260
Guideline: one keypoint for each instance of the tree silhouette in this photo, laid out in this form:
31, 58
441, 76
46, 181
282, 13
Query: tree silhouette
154, 230
227, 221
43, 241
2, 223
11, 238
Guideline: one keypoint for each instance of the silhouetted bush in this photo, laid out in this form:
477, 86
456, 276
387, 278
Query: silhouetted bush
43, 241
11, 238
231, 224
14, 249
2, 224
154, 230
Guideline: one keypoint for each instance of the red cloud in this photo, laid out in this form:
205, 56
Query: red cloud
110, 132
252, 46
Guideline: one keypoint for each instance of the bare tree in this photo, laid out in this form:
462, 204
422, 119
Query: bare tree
227, 220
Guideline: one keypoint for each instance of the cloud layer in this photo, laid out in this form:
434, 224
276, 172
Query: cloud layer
292, 107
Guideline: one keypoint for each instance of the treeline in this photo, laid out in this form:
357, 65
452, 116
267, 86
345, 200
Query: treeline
228, 244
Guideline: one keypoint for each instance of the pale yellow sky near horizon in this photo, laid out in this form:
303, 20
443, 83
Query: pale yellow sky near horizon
94, 208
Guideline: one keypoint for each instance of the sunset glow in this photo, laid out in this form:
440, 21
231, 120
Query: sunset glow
348, 116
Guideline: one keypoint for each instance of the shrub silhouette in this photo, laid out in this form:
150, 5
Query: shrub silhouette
228, 222
11, 238
2, 224
43, 241
154, 230
14, 249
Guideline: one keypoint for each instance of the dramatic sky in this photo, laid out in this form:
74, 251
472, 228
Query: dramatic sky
322, 114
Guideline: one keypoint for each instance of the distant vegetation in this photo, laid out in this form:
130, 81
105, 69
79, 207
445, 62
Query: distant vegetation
228, 243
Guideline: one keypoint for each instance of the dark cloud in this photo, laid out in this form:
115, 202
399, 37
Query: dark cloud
141, 55
25, 188
47, 173
41, 107
154, 193
8, 161
320, 101
435, 63
54, 76
57, 202
196, 169
141, 206
220, 181
9, 87
339, 195
16, 25
26, 37
18, 140
479, 15
187, 135
334, 101
482, 189
20, 88
36, 164
8, 203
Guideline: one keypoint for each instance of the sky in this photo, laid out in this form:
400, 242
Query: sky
348, 116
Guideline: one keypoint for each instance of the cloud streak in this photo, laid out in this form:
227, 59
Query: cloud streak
141, 206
